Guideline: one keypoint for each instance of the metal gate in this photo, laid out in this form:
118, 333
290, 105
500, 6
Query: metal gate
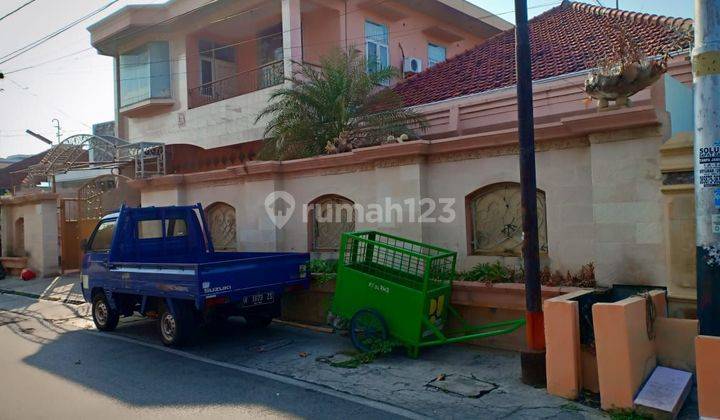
79, 216
70, 254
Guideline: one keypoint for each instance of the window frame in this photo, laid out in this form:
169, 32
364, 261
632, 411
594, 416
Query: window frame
378, 45
151, 238
470, 225
209, 213
312, 222
171, 223
156, 75
91, 242
430, 46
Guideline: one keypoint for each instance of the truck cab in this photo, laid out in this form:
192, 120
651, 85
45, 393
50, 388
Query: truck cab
160, 262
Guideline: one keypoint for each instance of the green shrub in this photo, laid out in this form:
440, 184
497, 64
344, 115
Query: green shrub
323, 269
489, 272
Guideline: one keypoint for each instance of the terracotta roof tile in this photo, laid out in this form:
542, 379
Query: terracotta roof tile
568, 38
13, 175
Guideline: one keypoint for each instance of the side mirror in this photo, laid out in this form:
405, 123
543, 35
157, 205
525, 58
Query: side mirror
84, 245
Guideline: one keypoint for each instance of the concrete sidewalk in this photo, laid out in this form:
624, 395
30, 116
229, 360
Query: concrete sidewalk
64, 288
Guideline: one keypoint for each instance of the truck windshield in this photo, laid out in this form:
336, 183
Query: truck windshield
103, 236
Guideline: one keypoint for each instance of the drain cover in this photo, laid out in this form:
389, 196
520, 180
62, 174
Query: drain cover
462, 385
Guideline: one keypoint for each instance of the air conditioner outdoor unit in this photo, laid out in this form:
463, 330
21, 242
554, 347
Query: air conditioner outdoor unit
412, 65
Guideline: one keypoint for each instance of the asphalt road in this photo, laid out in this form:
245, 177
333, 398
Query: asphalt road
51, 366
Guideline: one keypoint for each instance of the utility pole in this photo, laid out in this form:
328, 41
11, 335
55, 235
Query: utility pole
706, 77
57, 129
533, 360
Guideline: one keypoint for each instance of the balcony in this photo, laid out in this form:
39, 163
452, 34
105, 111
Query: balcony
262, 77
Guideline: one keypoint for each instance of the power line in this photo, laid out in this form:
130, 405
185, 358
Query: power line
28, 47
52, 60
404, 34
17, 9
29, 92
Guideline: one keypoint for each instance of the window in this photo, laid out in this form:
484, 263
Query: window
495, 220
150, 229
271, 56
217, 51
329, 217
217, 62
145, 73
377, 53
102, 239
175, 228
206, 77
222, 225
436, 54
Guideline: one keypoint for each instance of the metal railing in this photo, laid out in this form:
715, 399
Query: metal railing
265, 76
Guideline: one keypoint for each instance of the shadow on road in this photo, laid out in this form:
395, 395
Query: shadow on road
146, 377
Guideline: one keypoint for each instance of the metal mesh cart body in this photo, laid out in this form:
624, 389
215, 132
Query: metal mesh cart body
392, 287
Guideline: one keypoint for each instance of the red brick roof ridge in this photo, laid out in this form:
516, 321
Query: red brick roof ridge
573, 36
678, 23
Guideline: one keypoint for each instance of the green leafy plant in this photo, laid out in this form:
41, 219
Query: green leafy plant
499, 273
489, 273
627, 414
378, 348
323, 270
335, 108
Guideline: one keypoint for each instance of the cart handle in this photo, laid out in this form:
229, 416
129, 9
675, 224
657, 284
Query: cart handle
513, 325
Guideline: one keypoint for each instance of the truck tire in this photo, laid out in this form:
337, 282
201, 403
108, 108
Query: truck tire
104, 317
179, 329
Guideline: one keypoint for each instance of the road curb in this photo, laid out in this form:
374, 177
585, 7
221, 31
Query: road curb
289, 380
40, 297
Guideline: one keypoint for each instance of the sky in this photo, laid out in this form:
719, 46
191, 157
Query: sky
77, 90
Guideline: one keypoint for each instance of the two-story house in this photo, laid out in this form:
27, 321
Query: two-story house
611, 190
197, 72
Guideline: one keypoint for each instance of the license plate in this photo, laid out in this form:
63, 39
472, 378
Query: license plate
258, 299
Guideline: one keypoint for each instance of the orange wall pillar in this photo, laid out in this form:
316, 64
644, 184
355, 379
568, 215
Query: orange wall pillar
562, 340
625, 353
707, 358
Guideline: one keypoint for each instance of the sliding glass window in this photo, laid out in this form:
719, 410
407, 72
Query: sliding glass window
145, 73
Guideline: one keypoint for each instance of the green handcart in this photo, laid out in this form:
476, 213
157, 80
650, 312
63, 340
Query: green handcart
391, 287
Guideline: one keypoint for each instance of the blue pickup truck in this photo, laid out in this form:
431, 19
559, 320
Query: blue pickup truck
160, 262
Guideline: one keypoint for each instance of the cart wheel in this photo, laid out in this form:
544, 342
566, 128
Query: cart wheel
367, 326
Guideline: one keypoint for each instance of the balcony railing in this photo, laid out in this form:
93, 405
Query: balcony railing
262, 77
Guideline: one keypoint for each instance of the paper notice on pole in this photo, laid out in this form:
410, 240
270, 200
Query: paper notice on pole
716, 223
709, 166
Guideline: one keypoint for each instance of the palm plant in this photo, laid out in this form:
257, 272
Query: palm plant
334, 108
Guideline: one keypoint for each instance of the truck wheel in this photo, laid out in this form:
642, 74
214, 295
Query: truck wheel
104, 317
258, 321
367, 329
179, 329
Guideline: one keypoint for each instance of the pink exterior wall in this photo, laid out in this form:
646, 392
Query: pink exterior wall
325, 24
405, 34
320, 33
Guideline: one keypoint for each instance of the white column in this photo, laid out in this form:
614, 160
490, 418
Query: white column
292, 34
